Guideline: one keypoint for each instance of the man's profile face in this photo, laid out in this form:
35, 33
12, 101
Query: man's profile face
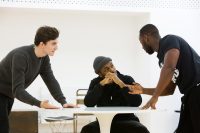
109, 67
50, 47
146, 44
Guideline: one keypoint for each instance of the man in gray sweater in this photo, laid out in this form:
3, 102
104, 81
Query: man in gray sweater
20, 68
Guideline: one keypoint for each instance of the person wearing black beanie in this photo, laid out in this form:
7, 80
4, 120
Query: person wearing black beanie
110, 88
99, 62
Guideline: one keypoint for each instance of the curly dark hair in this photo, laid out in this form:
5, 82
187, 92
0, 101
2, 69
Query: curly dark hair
45, 34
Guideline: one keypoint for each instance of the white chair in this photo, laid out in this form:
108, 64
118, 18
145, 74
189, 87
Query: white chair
80, 95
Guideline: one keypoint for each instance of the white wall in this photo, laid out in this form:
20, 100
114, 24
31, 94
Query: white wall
85, 35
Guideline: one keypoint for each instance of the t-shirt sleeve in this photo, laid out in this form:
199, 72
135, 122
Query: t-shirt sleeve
171, 42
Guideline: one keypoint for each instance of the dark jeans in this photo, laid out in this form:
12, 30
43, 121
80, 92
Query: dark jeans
129, 126
189, 121
5, 108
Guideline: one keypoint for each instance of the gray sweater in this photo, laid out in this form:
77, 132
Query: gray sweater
20, 68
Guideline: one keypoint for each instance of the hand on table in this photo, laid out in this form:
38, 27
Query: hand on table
151, 103
45, 104
69, 105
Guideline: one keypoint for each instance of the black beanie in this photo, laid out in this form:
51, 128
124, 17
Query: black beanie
99, 62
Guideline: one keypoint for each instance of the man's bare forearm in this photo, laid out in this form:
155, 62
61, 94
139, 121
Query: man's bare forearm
168, 91
148, 91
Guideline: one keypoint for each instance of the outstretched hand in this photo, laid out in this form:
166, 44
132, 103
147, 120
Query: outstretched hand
68, 105
45, 104
135, 88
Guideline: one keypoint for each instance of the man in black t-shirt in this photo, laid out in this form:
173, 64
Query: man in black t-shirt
180, 66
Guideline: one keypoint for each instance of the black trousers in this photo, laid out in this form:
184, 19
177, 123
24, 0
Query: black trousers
189, 121
5, 108
123, 126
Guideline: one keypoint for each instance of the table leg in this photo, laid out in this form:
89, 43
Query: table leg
105, 121
75, 122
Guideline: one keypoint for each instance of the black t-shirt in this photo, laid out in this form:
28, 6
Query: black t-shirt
187, 72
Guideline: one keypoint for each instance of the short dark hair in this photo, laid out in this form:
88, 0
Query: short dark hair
150, 29
45, 34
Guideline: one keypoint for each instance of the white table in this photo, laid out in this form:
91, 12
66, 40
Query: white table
106, 114
103, 114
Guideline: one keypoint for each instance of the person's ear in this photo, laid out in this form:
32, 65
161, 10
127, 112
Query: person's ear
100, 74
41, 44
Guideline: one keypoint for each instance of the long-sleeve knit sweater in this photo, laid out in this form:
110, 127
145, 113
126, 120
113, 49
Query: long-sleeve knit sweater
20, 68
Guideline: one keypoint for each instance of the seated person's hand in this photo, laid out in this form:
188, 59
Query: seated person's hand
45, 104
135, 88
115, 79
68, 105
106, 81
112, 76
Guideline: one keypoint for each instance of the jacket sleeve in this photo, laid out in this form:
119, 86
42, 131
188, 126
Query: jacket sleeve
51, 82
94, 93
19, 65
134, 100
